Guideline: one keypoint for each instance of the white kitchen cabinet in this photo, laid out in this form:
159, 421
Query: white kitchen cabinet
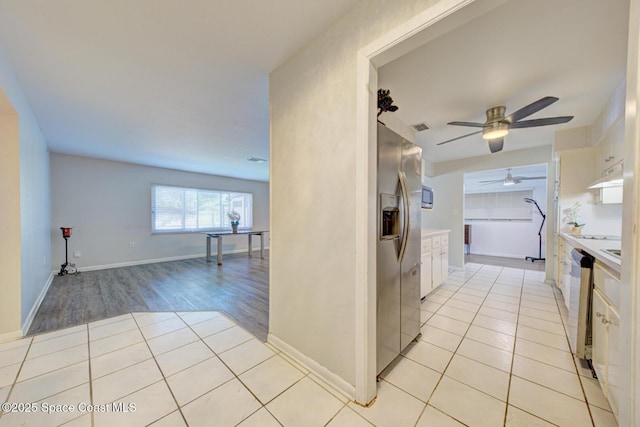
444, 258
434, 259
426, 270
436, 264
606, 335
599, 337
613, 359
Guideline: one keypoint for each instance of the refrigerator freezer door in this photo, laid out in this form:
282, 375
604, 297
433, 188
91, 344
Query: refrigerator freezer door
410, 266
387, 250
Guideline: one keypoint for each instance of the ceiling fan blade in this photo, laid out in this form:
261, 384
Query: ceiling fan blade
459, 137
492, 181
541, 122
472, 124
524, 178
534, 107
495, 145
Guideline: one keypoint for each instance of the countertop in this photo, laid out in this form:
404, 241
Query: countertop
595, 248
426, 232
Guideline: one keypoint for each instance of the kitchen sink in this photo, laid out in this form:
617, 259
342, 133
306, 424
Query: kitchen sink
615, 252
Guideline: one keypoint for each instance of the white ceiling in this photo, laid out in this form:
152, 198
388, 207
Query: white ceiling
172, 83
184, 84
513, 55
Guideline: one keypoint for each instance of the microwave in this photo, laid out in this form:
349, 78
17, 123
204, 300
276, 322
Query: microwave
427, 197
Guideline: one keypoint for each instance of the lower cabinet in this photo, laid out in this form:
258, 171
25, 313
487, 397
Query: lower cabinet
425, 274
606, 348
435, 262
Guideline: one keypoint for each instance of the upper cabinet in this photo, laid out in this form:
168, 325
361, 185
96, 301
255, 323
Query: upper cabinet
607, 133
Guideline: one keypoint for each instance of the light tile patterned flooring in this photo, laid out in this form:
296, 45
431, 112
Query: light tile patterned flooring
493, 352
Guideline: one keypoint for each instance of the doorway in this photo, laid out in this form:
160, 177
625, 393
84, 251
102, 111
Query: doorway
504, 210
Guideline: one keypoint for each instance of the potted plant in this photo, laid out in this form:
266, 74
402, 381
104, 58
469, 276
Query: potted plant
235, 220
572, 215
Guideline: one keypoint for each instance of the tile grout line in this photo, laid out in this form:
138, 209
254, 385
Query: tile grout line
90, 377
15, 380
235, 376
454, 352
573, 358
513, 354
164, 378
525, 379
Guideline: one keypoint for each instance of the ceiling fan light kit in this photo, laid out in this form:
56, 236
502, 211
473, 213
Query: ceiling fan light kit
497, 125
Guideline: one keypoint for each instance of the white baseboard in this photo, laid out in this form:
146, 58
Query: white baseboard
502, 255
323, 373
11, 336
36, 305
156, 260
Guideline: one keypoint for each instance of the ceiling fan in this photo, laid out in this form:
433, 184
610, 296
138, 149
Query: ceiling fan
511, 180
497, 125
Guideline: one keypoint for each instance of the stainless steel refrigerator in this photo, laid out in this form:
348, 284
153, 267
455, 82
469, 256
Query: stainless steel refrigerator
398, 245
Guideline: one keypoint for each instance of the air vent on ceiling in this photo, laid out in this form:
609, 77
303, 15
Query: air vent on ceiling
256, 159
419, 127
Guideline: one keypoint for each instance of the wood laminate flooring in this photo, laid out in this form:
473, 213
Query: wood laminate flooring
239, 288
505, 262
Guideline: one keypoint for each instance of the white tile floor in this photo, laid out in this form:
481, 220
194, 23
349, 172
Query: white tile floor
493, 352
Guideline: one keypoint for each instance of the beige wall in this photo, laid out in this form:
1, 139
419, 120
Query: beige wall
9, 219
25, 160
108, 204
313, 188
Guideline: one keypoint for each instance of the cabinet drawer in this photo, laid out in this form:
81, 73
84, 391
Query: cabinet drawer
608, 284
445, 240
426, 245
436, 241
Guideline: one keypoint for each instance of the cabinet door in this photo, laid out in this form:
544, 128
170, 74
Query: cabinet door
566, 277
436, 273
425, 274
599, 338
618, 143
613, 358
444, 262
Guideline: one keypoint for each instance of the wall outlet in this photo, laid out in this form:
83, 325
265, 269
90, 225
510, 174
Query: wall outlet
77, 254
132, 244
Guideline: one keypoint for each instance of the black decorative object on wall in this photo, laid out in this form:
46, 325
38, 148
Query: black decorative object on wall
385, 102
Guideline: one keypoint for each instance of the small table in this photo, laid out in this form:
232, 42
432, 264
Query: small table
220, 234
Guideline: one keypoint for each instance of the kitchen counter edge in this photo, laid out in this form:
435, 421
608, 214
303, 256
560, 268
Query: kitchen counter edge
596, 249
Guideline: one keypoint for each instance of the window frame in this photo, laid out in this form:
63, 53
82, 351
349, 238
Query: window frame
246, 220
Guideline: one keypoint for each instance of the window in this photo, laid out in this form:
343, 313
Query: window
497, 206
176, 209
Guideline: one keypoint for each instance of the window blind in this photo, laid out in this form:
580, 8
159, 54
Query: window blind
177, 209
497, 206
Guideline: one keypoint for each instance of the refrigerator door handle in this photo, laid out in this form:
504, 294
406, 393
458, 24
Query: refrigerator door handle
405, 214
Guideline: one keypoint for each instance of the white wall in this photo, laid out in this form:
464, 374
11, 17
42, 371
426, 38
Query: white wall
313, 188
517, 239
108, 204
33, 205
449, 180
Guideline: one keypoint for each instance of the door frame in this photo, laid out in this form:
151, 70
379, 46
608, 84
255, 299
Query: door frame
403, 39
